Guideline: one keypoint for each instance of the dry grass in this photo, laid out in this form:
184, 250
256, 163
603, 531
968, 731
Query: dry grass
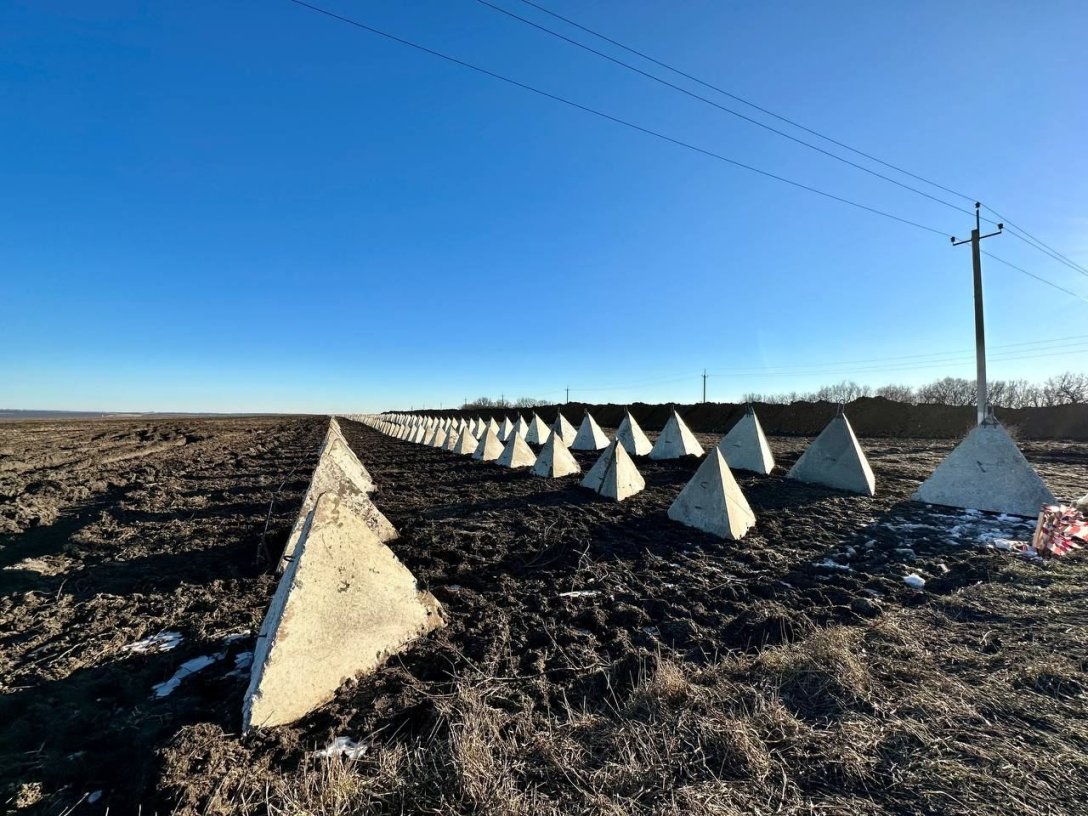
916, 712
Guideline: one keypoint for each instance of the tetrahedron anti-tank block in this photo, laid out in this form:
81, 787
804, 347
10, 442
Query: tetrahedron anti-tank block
343, 606
713, 502
986, 471
835, 459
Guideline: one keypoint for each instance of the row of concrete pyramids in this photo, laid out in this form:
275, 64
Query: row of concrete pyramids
344, 602
711, 501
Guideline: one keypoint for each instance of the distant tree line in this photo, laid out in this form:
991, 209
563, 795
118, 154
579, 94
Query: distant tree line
520, 402
1064, 389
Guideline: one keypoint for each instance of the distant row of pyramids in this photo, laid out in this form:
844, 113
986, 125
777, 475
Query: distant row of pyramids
986, 471
711, 501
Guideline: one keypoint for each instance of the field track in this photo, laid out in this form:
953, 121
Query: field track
598, 656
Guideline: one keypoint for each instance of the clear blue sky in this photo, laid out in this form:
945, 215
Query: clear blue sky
249, 206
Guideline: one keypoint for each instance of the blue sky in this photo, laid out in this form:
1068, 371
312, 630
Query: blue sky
249, 206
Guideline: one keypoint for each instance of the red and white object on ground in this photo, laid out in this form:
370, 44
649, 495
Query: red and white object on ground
1059, 530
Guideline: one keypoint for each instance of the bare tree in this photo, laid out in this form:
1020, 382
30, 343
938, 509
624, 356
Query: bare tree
529, 402
1066, 389
845, 391
897, 393
948, 391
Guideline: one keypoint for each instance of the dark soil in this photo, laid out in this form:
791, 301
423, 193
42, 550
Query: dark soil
793, 671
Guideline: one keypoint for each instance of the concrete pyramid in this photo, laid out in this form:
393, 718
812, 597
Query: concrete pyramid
713, 502
589, 436
439, 440
835, 459
489, 448
428, 440
516, 454
745, 446
676, 441
505, 429
466, 443
614, 475
521, 427
491, 425
537, 432
418, 435
555, 459
336, 449
986, 471
632, 438
338, 473
565, 430
451, 439
343, 606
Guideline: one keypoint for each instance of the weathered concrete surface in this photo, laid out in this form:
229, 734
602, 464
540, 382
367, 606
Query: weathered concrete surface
344, 605
565, 430
505, 429
1082, 504
676, 441
835, 459
493, 426
986, 471
489, 448
466, 443
538, 432
631, 436
451, 438
555, 459
713, 502
589, 436
516, 454
438, 440
745, 446
521, 427
336, 473
614, 475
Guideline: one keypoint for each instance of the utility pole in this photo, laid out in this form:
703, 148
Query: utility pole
704, 385
568, 396
980, 328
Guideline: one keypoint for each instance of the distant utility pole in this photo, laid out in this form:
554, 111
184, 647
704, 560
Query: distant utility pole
568, 395
704, 385
980, 328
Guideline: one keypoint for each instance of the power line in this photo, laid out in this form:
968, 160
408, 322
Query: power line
1026, 236
1037, 277
639, 128
1032, 241
615, 119
720, 107
747, 102
935, 357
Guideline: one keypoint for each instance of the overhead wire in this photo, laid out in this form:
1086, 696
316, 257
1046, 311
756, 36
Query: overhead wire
645, 130
1016, 231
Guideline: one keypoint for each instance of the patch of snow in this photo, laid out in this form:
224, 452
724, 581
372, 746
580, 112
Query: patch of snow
342, 747
94, 797
234, 638
652, 631
914, 580
453, 587
162, 642
186, 669
827, 563
243, 660
580, 593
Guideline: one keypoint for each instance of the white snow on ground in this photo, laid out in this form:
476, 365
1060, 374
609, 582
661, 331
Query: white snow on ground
969, 528
580, 593
914, 580
827, 563
342, 746
162, 642
186, 669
